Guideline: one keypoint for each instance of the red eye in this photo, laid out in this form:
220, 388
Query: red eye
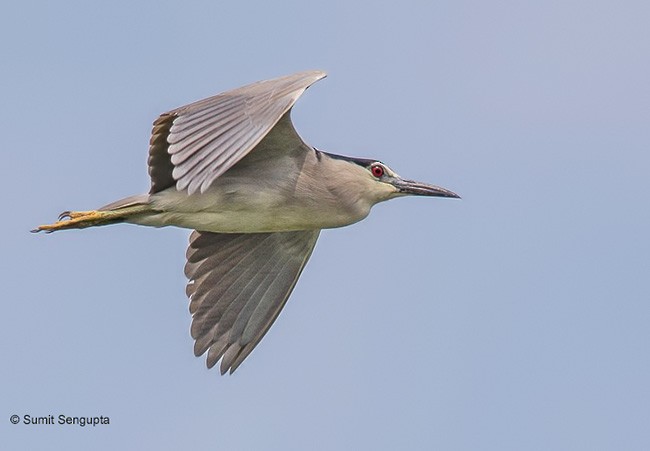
377, 170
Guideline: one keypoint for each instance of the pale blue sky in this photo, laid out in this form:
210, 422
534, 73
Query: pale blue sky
515, 319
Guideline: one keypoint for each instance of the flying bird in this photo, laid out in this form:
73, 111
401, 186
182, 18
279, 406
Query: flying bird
233, 168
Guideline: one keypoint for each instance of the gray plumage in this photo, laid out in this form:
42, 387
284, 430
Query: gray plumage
238, 285
206, 138
233, 168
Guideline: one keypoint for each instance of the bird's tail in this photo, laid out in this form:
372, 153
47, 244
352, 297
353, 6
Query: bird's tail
112, 213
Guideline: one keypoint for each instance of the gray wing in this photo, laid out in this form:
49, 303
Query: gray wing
194, 144
238, 284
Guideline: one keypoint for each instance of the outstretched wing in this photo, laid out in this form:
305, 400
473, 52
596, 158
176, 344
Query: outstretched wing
238, 284
194, 144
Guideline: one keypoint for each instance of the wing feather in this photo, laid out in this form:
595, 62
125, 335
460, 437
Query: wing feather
238, 284
193, 145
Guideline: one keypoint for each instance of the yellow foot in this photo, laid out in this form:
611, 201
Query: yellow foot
75, 220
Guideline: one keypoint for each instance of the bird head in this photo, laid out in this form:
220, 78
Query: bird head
381, 183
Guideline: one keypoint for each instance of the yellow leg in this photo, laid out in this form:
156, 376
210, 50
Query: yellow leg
77, 220
90, 218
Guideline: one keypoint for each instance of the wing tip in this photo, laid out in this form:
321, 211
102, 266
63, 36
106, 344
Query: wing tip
318, 73
314, 75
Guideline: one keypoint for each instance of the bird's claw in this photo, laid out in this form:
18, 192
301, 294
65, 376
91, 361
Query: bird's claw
71, 220
66, 215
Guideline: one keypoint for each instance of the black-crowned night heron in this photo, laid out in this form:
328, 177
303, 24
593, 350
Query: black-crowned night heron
233, 168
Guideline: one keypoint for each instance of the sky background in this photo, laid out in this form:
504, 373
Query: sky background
514, 319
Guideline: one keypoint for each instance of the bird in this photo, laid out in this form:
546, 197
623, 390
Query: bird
234, 170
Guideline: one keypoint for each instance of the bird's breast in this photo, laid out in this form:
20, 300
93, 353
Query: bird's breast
228, 208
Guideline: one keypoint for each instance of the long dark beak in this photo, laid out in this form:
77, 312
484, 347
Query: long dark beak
422, 189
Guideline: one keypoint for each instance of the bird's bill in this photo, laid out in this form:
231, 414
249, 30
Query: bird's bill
422, 189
